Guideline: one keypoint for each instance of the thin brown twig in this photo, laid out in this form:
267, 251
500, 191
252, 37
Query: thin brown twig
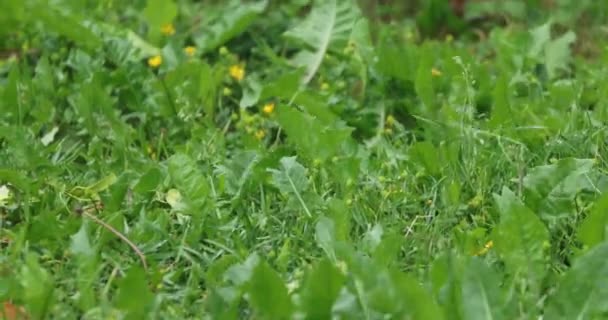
117, 233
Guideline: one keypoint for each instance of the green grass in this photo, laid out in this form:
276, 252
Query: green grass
290, 167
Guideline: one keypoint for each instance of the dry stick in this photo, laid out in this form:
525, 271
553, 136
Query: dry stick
142, 257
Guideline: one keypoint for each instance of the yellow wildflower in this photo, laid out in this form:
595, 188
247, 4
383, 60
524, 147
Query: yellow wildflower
485, 248
190, 51
167, 29
435, 72
268, 108
237, 72
260, 134
155, 61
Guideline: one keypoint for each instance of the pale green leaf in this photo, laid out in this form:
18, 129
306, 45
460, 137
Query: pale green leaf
291, 177
321, 289
521, 237
583, 291
268, 294
481, 292
236, 16
328, 26
80, 243
550, 189
594, 228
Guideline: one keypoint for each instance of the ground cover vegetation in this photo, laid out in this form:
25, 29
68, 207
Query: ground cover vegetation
302, 159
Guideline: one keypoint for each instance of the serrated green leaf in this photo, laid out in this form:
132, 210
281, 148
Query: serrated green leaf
594, 229
521, 237
550, 189
328, 25
268, 294
238, 171
236, 16
291, 177
557, 54
583, 291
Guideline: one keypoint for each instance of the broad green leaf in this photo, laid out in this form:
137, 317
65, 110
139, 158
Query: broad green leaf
38, 287
189, 180
418, 303
481, 292
594, 228
240, 274
238, 171
66, 25
290, 177
320, 290
134, 296
149, 181
325, 235
550, 189
313, 139
268, 294
557, 54
583, 291
158, 13
236, 16
521, 238
327, 26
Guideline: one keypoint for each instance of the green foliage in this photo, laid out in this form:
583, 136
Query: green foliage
415, 164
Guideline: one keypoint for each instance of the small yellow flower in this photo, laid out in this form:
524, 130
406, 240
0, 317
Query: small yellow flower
155, 61
237, 72
485, 248
268, 108
435, 72
167, 29
260, 134
190, 51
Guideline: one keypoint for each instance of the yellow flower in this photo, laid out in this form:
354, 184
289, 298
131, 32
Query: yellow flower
268, 108
155, 61
260, 134
190, 51
237, 72
167, 29
435, 72
485, 248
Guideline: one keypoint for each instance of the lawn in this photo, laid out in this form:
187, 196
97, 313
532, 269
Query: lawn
330, 159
